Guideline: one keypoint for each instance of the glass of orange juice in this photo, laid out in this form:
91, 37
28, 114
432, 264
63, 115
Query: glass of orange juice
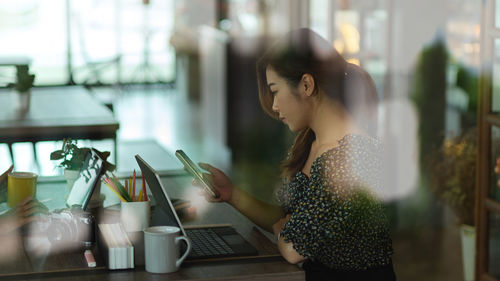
19, 186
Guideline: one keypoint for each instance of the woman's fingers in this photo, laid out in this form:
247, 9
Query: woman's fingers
205, 166
26, 220
208, 177
209, 168
25, 201
28, 207
209, 197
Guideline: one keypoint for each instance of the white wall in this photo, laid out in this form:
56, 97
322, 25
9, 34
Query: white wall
213, 73
414, 24
285, 15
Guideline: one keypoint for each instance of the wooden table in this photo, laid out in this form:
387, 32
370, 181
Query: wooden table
56, 113
267, 266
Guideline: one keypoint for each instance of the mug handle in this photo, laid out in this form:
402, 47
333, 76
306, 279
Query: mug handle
186, 253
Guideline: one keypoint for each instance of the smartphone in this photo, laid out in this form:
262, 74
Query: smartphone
196, 172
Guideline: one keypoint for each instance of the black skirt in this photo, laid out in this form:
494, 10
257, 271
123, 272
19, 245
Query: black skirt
319, 272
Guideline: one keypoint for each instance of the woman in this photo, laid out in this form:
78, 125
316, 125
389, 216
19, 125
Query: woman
329, 216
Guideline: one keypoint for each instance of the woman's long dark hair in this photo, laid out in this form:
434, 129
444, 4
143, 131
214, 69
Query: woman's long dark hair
303, 51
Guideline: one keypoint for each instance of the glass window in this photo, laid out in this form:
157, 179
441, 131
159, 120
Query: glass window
374, 44
495, 98
318, 15
463, 31
495, 151
361, 36
497, 13
94, 41
101, 32
494, 245
37, 30
145, 30
347, 36
243, 17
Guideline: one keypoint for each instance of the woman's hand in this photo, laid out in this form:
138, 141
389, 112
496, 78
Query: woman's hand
286, 248
23, 213
219, 181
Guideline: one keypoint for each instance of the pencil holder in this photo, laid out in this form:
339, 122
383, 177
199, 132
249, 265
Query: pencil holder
135, 216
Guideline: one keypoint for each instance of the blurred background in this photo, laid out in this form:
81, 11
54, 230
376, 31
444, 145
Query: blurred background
180, 74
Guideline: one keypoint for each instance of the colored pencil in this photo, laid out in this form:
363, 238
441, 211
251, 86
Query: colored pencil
120, 188
115, 192
139, 199
133, 186
110, 182
130, 187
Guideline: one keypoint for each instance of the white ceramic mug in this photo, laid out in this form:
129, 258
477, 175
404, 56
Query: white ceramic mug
161, 248
135, 216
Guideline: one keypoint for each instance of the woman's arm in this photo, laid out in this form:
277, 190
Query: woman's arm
265, 215
259, 212
286, 248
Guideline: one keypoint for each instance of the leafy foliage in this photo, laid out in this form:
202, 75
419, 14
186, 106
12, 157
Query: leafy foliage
428, 92
453, 170
429, 95
468, 80
73, 156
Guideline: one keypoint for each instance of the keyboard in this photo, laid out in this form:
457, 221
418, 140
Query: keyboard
207, 243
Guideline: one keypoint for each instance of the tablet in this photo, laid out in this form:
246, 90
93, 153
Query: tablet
194, 171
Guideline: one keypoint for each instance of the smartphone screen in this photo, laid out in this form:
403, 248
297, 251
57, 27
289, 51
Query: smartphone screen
196, 172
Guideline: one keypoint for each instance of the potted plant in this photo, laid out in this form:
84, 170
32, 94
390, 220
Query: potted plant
73, 158
453, 175
22, 87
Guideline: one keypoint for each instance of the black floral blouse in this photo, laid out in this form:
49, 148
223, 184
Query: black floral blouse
336, 219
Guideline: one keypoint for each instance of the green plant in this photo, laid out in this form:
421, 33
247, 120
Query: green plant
73, 156
24, 80
428, 92
453, 174
429, 96
468, 80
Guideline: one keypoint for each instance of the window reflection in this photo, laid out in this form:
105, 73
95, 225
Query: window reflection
495, 154
99, 31
495, 98
361, 35
494, 245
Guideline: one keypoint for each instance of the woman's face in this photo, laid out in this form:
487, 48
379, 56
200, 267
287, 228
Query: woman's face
289, 103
